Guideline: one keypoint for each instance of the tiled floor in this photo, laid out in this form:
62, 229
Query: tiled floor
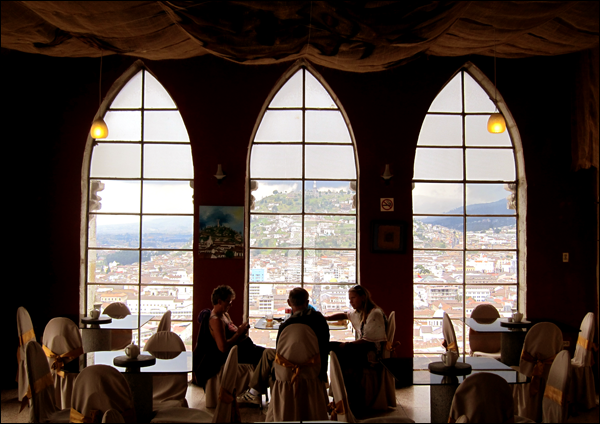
413, 402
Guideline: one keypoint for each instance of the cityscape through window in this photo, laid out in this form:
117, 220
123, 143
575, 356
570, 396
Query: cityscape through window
303, 218
140, 210
465, 222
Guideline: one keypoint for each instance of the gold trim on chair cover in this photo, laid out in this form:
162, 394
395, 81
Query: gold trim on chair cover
315, 360
39, 385
60, 360
230, 398
95, 416
452, 346
538, 369
335, 409
554, 395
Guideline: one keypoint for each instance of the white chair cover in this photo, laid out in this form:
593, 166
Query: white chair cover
556, 401
43, 406
112, 416
165, 322
340, 407
449, 334
62, 344
213, 385
169, 390
227, 409
26, 333
542, 342
483, 398
485, 344
297, 392
100, 388
582, 384
120, 339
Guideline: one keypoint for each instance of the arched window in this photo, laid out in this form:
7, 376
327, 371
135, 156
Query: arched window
140, 209
302, 213
466, 219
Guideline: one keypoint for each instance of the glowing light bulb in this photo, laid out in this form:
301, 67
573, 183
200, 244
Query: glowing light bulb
99, 129
496, 124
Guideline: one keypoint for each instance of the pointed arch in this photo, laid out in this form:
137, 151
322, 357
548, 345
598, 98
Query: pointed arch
469, 207
301, 197
137, 204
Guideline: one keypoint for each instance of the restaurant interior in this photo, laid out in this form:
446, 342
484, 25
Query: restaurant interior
385, 63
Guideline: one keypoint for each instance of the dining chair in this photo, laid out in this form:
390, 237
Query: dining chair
555, 405
100, 388
119, 338
62, 345
26, 333
169, 390
112, 416
542, 342
450, 341
485, 344
165, 322
41, 396
583, 389
483, 398
340, 407
297, 393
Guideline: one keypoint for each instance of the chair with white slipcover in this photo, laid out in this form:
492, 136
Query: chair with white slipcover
165, 322
450, 342
119, 338
485, 344
340, 407
62, 345
583, 389
297, 392
169, 389
483, 398
26, 333
555, 405
41, 395
542, 343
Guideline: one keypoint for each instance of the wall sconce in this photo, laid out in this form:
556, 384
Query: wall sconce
387, 175
219, 175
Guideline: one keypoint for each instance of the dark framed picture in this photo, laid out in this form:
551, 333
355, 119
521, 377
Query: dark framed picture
389, 236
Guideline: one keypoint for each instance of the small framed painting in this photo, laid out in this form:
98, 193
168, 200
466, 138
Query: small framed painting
389, 236
221, 232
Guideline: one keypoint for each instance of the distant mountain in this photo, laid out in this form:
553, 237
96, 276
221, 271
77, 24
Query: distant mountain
170, 225
475, 223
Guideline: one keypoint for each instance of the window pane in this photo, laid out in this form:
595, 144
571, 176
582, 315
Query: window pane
437, 198
449, 99
277, 265
290, 95
168, 268
490, 164
476, 99
330, 266
163, 232
168, 161
113, 266
329, 231
478, 135
502, 297
316, 95
164, 126
438, 164
328, 197
441, 130
428, 337
275, 231
492, 232
488, 199
157, 300
280, 125
435, 267
437, 232
326, 126
168, 197
114, 231
120, 197
116, 160
155, 95
100, 294
330, 162
277, 196
123, 125
494, 268
268, 161
130, 97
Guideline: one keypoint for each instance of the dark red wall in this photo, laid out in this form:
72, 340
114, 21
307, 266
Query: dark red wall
49, 103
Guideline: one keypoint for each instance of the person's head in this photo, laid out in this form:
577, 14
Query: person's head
223, 296
360, 299
298, 299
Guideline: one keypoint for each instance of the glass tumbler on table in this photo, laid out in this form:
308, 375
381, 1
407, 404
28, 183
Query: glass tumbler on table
269, 319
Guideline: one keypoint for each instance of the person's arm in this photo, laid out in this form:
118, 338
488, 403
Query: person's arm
217, 328
337, 317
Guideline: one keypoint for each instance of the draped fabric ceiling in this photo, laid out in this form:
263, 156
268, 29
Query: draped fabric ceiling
356, 36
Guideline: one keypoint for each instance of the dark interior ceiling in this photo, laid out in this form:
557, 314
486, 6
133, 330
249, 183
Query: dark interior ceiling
358, 36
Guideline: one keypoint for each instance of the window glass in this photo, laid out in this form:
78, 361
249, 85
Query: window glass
116, 160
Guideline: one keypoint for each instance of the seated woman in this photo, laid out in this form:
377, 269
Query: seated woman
370, 325
218, 334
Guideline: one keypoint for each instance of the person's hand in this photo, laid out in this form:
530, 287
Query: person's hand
243, 328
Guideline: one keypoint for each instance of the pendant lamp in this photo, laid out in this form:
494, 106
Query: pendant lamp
496, 123
99, 128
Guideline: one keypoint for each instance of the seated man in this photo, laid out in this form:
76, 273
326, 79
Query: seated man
301, 314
